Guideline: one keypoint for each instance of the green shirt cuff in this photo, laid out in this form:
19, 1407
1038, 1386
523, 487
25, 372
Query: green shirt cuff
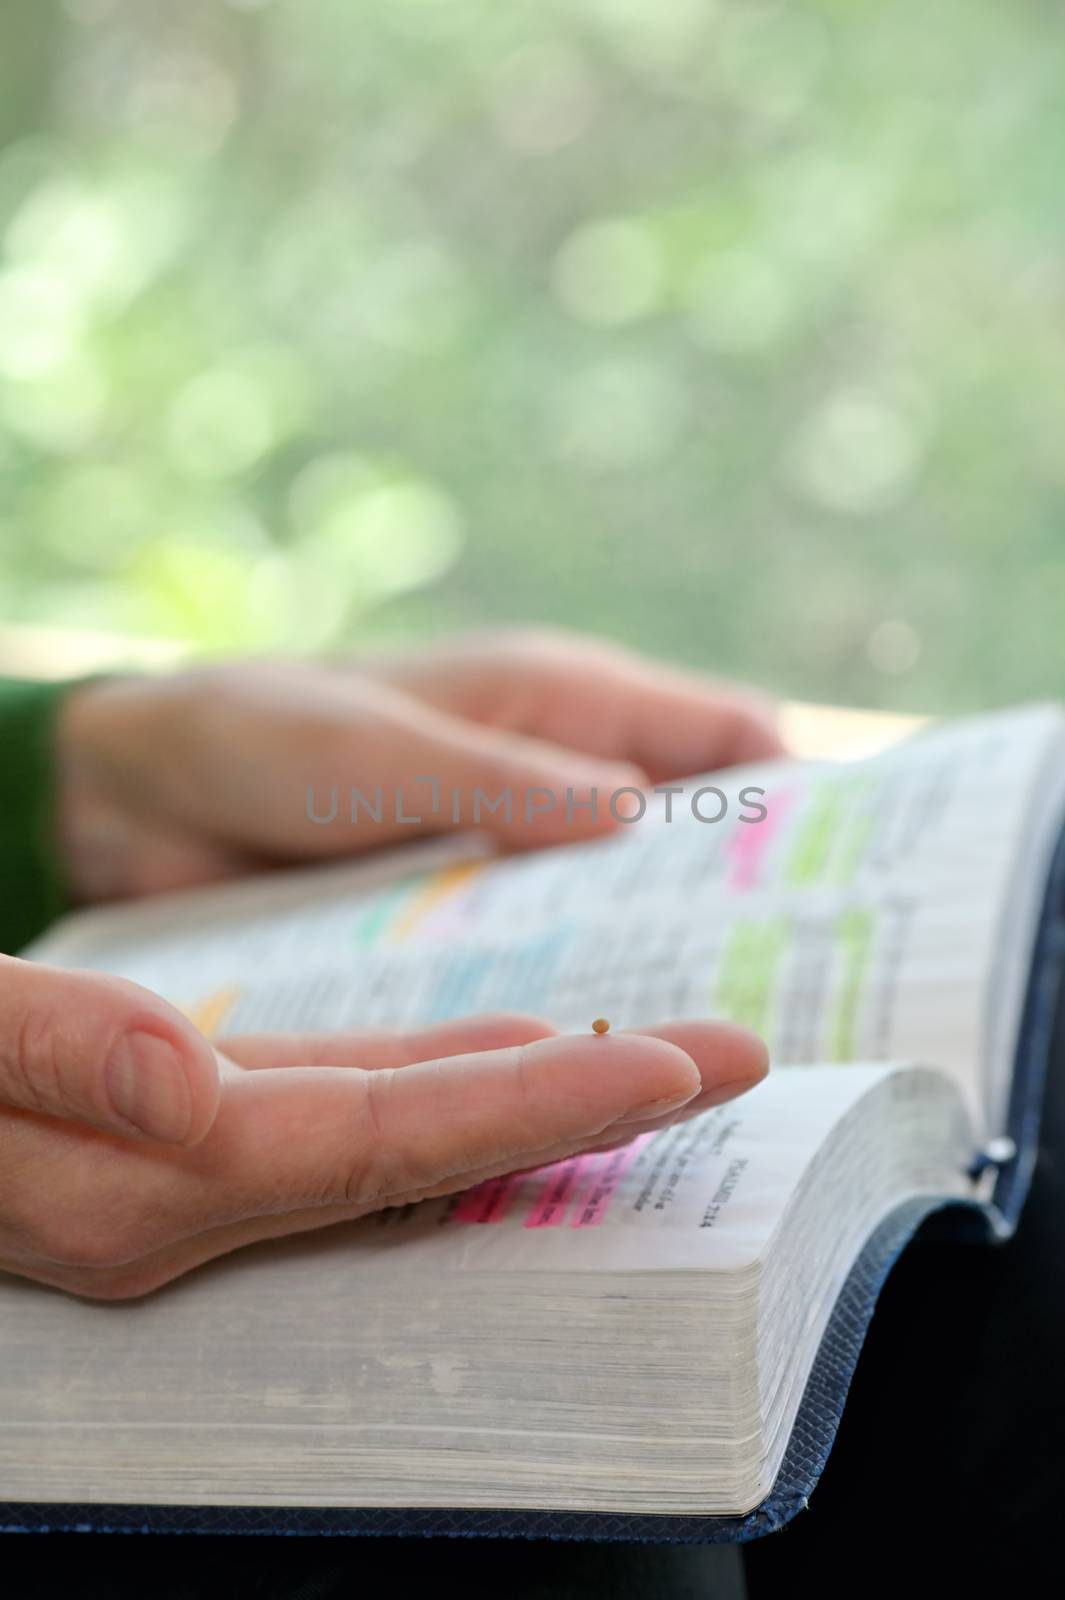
32, 888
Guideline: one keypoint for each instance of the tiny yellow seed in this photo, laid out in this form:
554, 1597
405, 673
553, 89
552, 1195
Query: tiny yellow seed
600, 1025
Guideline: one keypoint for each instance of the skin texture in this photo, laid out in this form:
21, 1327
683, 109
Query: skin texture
202, 776
133, 1149
310, 1131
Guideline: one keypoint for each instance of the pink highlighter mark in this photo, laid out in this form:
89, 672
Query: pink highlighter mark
749, 843
579, 1189
488, 1201
603, 1179
557, 1190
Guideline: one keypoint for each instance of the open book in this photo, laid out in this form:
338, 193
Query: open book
628, 1343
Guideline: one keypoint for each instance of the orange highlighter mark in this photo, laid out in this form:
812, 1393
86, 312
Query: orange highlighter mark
210, 1014
440, 887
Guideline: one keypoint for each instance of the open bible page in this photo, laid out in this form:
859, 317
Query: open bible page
857, 916
704, 1195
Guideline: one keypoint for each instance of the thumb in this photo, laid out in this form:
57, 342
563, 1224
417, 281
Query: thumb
102, 1051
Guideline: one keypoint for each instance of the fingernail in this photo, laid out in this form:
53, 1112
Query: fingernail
147, 1086
658, 1108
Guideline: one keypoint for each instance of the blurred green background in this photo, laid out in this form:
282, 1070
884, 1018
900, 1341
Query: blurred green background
733, 329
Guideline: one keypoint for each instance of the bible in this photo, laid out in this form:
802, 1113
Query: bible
654, 1341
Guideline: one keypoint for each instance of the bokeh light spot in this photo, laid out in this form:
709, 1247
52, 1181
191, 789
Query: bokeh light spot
375, 534
41, 321
893, 647
739, 301
858, 453
544, 98
609, 272
616, 414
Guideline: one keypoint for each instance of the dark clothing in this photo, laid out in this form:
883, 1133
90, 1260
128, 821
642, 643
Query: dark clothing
31, 890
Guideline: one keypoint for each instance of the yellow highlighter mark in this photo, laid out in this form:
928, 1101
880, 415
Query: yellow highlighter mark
210, 1014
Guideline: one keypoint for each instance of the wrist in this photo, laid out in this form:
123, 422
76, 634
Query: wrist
90, 830
33, 870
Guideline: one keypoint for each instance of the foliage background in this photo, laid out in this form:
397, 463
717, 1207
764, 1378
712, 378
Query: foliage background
732, 328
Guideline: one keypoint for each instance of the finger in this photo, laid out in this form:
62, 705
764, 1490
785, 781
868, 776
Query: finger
101, 1051
730, 1059
286, 1138
366, 764
446, 773
375, 1048
720, 1060
591, 695
670, 723
681, 724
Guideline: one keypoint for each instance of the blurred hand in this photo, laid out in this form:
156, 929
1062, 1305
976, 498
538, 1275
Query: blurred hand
131, 1151
201, 776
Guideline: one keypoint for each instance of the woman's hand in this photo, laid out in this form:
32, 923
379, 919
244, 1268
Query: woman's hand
202, 776
132, 1151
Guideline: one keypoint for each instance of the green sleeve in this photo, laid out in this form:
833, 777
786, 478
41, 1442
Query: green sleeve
32, 891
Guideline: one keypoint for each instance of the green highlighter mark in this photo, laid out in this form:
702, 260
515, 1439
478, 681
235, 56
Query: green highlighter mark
744, 991
372, 923
832, 842
854, 932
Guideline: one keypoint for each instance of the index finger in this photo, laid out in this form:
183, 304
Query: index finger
679, 723
293, 1137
